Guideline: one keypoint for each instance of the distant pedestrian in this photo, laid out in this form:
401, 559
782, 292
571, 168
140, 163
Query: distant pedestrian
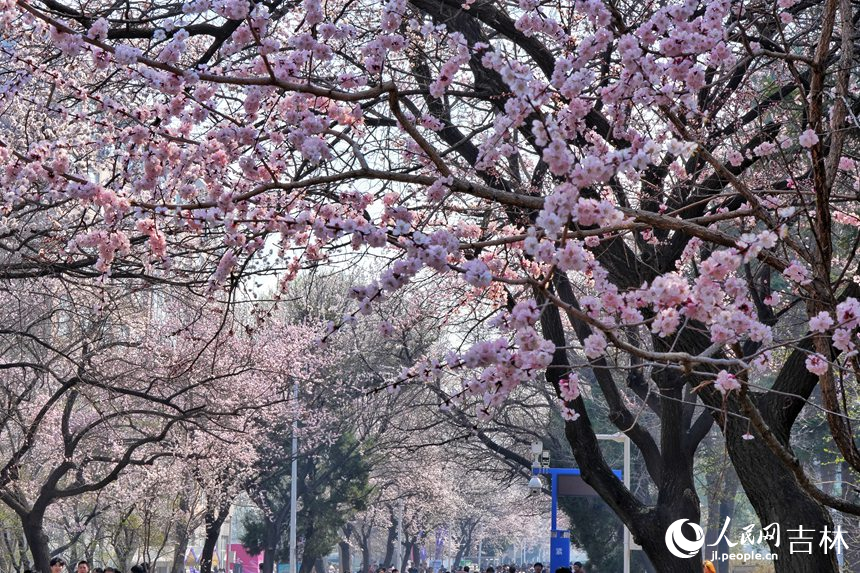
578, 568
538, 567
57, 564
83, 566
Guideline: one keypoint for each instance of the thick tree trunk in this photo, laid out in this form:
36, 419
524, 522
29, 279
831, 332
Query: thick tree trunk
389, 545
319, 565
37, 541
213, 521
461, 549
307, 564
407, 554
777, 498
850, 522
345, 556
345, 548
180, 551
270, 546
365, 551
124, 561
677, 500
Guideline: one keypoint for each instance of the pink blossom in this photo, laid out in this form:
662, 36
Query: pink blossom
817, 364
386, 329
821, 322
569, 387
569, 414
558, 157
797, 272
666, 322
594, 345
808, 138
842, 340
572, 257
726, 382
126, 55
764, 149
721, 263
439, 189
735, 157
847, 164
848, 313
525, 313
234, 9
98, 30
477, 273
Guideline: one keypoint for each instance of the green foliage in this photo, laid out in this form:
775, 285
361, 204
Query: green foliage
333, 485
594, 525
334, 490
254, 533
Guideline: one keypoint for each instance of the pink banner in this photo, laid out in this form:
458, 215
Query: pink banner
250, 563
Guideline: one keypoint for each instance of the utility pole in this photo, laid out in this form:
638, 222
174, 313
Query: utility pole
480, 546
294, 471
398, 559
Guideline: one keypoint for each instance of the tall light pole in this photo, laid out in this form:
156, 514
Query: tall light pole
398, 558
480, 546
294, 471
623, 438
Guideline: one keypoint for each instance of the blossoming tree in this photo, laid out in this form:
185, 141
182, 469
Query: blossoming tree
102, 381
662, 194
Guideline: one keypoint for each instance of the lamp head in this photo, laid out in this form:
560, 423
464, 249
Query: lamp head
535, 485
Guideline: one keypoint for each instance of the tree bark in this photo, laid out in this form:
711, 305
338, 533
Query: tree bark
273, 535
407, 554
37, 541
180, 551
777, 498
365, 550
389, 545
672, 470
345, 548
307, 564
214, 521
345, 556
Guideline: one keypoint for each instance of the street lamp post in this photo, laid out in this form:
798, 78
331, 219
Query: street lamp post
480, 546
398, 559
293, 477
623, 438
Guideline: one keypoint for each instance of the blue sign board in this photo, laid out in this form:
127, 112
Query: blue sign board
559, 547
